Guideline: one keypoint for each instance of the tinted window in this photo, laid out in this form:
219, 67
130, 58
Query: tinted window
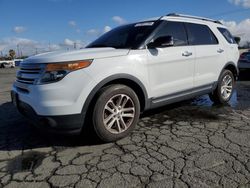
228, 36
174, 29
200, 35
127, 36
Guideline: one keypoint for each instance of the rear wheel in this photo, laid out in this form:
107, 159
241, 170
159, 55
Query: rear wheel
225, 88
116, 112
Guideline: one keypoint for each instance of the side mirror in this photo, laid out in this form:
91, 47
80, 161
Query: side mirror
237, 40
162, 42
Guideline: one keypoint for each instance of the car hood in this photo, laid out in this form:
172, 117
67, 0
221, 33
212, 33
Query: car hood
83, 54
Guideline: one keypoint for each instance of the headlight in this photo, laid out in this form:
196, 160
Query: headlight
55, 72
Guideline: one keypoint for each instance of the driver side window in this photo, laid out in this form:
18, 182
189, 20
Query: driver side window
174, 29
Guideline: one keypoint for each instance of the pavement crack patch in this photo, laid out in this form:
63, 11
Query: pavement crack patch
240, 115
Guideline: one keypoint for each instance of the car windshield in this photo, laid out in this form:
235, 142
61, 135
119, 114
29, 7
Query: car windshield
125, 37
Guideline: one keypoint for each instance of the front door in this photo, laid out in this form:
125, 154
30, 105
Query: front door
171, 69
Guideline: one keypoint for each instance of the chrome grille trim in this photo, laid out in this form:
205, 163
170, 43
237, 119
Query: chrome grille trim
29, 73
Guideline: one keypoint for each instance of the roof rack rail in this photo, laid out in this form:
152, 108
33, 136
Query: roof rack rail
193, 17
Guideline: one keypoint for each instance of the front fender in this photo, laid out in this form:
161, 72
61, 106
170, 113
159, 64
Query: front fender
110, 79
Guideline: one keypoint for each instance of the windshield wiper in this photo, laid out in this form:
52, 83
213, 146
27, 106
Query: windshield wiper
103, 45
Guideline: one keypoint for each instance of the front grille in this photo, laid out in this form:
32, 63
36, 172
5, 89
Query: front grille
29, 73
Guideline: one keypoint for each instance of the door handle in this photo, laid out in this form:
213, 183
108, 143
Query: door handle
187, 54
220, 51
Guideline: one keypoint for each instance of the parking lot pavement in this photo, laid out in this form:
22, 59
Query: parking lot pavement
189, 144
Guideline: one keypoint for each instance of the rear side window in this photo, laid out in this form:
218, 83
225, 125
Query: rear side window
174, 29
200, 35
228, 36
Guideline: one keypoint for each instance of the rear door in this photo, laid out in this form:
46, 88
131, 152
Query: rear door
209, 54
231, 46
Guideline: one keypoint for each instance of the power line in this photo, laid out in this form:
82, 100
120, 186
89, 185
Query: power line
228, 13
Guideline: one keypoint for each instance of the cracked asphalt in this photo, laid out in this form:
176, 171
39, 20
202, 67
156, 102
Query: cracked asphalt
188, 144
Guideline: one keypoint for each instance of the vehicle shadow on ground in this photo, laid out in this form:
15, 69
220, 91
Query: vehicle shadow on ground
18, 133
197, 109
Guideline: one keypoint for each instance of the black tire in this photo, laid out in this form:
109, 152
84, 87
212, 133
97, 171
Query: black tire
114, 93
217, 96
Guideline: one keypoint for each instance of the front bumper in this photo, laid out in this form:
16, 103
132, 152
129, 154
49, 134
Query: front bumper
61, 98
65, 124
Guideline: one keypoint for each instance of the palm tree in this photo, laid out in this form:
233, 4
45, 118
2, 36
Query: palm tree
12, 53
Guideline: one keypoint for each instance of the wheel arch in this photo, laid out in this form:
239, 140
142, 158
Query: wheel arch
125, 79
233, 68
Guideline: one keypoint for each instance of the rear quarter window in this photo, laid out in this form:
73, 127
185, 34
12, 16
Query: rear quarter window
227, 35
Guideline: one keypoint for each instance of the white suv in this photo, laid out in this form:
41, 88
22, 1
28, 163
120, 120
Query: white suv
126, 71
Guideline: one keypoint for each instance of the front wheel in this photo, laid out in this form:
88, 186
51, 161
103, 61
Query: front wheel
225, 88
116, 112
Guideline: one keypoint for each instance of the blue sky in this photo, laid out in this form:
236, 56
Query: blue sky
61, 22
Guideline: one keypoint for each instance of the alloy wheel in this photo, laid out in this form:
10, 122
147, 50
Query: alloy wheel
118, 114
226, 87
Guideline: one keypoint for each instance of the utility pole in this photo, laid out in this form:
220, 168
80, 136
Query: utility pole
18, 50
74, 45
